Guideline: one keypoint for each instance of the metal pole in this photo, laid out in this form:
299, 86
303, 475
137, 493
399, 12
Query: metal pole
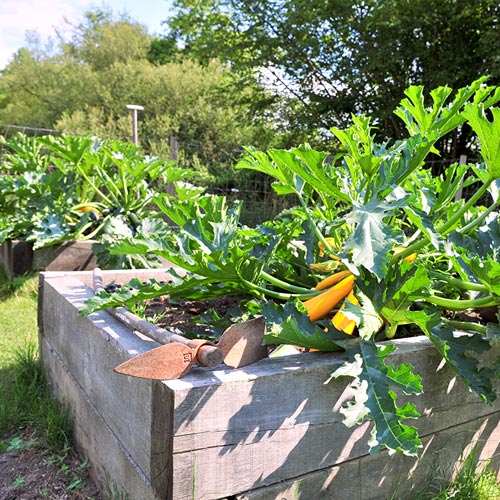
134, 108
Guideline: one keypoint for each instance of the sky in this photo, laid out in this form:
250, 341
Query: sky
17, 17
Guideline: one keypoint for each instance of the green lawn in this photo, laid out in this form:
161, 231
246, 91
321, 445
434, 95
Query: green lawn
24, 398
18, 327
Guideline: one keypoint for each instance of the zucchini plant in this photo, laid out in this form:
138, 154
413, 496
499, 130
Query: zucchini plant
60, 188
376, 248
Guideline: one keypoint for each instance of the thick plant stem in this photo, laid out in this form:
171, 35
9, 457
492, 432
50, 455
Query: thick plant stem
464, 285
459, 304
262, 291
473, 223
450, 223
283, 284
447, 226
465, 325
316, 230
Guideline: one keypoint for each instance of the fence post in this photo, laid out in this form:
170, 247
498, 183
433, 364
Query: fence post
174, 147
134, 108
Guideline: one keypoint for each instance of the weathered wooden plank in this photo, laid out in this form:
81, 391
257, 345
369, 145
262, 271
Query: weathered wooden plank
90, 349
250, 423
114, 276
113, 468
372, 477
16, 257
66, 256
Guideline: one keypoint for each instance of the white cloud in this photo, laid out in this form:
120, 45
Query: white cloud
17, 17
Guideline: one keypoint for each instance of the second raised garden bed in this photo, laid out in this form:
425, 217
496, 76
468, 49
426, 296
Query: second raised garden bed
18, 257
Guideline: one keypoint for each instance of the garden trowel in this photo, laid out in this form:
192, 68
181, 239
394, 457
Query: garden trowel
239, 345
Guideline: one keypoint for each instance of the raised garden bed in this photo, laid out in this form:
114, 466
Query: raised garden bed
269, 430
18, 257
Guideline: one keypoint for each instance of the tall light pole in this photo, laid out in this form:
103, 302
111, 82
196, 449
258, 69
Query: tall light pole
135, 108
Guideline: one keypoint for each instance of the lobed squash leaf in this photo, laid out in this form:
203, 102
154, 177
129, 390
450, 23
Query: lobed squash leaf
287, 325
374, 397
461, 351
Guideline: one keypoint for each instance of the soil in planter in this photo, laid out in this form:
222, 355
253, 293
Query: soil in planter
182, 314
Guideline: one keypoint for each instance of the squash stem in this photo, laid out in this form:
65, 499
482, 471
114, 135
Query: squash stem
464, 285
460, 304
465, 325
283, 284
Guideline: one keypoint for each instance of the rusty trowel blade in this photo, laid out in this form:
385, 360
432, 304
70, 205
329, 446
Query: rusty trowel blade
167, 362
241, 343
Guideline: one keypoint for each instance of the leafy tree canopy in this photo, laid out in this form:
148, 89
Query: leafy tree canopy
330, 59
105, 63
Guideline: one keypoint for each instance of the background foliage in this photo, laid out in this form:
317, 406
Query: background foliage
337, 57
229, 73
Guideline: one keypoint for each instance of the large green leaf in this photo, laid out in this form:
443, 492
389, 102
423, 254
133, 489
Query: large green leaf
487, 271
403, 291
374, 397
175, 286
49, 230
422, 221
488, 133
373, 239
286, 324
461, 350
367, 317
359, 145
261, 162
133, 292
441, 117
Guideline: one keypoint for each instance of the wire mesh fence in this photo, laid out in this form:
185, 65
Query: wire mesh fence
217, 173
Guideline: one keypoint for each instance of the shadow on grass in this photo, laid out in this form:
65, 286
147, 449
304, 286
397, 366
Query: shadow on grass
10, 286
25, 401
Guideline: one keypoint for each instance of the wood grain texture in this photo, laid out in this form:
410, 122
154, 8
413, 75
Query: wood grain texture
89, 348
375, 477
66, 256
268, 430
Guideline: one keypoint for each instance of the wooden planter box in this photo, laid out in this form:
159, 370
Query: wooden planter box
267, 431
18, 257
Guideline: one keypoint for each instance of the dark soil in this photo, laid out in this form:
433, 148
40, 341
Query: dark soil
181, 314
32, 472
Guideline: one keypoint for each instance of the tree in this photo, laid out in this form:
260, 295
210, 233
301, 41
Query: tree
100, 40
329, 59
86, 82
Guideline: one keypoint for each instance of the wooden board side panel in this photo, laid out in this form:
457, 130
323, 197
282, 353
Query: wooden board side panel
90, 348
112, 467
266, 429
372, 477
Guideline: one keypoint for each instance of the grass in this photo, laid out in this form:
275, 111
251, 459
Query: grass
25, 402
469, 484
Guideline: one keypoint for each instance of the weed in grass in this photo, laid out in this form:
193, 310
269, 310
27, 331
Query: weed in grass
19, 482
18, 285
18, 443
116, 494
472, 485
473, 481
